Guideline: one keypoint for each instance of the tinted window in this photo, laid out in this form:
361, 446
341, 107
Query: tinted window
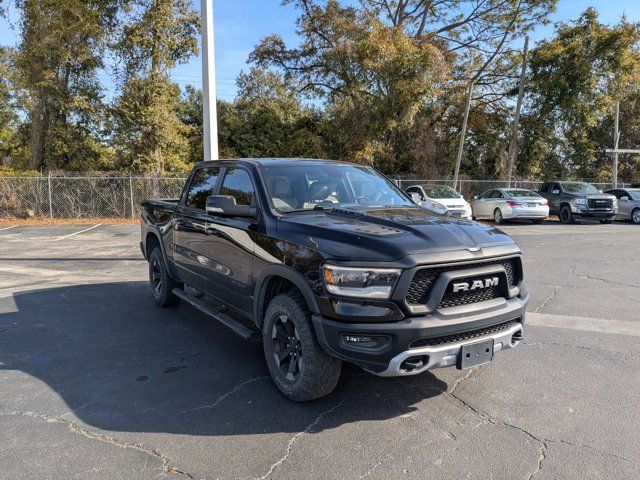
544, 188
330, 185
496, 194
202, 186
237, 183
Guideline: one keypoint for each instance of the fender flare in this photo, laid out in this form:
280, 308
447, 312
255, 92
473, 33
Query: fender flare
289, 274
154, 230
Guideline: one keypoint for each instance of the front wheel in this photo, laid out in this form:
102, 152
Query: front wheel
161, 283
635, 216
299, 366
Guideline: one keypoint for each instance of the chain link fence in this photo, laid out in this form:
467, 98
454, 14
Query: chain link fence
116, 196
106, 196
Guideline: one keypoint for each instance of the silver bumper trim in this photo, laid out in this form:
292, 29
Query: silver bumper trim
447, 355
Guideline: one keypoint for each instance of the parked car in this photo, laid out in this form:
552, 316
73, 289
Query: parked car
628, 203
332, 262
503, 204
441, 199
571, 200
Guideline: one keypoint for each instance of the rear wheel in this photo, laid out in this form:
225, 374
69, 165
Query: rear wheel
635, 216
161, 283
497, 216
299, 366
566, 216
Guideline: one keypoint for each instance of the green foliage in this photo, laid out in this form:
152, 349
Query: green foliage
149, 133
268, 120
575, 79
61, 50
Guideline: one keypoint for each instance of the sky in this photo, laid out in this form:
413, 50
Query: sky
241, 24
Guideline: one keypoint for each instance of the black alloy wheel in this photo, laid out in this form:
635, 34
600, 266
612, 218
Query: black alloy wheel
287, 348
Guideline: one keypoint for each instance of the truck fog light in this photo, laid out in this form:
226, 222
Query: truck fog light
365, 341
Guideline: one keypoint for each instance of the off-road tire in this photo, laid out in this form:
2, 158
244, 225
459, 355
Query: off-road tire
566, 215
497, 216
160, 282
319, 373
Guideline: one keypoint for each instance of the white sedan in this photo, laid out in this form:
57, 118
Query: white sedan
510, 203
440, 199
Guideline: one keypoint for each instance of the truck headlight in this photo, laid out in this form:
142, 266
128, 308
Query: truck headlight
579, 201
375, 283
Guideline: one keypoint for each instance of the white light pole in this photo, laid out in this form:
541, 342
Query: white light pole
209, 111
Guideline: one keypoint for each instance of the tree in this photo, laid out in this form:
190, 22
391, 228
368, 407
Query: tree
384, 67
61, 50
157, 36
575, 78
8, 117
267, 120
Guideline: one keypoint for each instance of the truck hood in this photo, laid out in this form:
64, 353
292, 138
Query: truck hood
386, 235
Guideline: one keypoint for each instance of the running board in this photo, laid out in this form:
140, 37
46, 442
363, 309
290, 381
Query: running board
235, 326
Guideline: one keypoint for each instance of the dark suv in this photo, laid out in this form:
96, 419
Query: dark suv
570, 200
331, 262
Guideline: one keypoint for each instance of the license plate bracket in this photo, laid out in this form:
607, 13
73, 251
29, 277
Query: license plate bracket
473, 354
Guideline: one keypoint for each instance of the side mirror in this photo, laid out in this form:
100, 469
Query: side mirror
416, 198
624, 199
225, 206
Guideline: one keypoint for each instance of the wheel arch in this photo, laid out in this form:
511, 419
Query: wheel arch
154, 237
275, 280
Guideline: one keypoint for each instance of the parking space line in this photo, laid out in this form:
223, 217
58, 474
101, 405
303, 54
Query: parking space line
77, 233
598, 325
7, 228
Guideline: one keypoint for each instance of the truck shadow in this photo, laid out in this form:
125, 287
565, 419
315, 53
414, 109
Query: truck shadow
114, 360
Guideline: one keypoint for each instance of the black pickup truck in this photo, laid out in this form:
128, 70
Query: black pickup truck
331, 262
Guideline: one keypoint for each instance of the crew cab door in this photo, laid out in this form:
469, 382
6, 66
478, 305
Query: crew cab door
230, 245
554, 196
190, 235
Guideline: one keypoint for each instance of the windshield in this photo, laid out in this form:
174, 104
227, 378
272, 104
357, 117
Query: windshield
522, 193
579, 187
436, 192
305, 187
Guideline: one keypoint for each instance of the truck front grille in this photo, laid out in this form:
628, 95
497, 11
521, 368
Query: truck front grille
464, 298
462, 337
423, 280
604, 203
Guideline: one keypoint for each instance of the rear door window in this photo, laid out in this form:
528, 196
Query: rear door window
202, 185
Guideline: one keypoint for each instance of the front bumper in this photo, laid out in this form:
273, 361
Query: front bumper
395, 341
585, 212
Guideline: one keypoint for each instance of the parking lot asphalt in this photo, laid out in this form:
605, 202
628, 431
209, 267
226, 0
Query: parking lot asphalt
97, 382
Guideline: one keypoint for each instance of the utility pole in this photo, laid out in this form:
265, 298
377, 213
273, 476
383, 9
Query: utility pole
616, 139
463, 134
209, 110
513, 145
